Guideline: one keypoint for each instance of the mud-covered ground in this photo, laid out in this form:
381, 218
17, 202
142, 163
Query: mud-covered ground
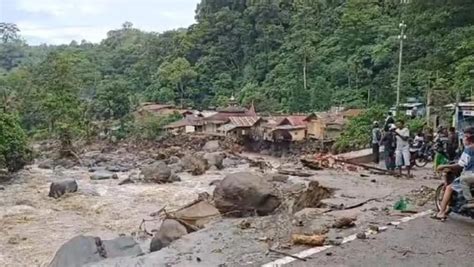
33, 226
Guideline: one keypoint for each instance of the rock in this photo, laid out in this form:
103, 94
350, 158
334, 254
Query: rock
174, 178
361, 235
244, 194
211, 146
215, 159
82, 250
232, 162
176, 167
47, 164
173, 160
126, 181
169, 231
59, 188
195, 164
344, 222
103, 175
96, 169
279, 178
2, 188
157, 172
117, 168
66, 163
214, 182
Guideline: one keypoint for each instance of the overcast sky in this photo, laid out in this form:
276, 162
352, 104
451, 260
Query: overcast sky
61, 21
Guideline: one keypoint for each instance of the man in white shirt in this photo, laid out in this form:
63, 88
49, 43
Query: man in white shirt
402, 151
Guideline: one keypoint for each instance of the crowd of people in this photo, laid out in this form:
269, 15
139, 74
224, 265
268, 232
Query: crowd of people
395, 137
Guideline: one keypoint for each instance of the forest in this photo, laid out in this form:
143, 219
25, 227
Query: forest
287, 56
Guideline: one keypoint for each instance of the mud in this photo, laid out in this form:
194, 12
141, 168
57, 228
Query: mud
33, 226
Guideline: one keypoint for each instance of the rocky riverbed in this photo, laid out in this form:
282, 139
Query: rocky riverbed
34, 225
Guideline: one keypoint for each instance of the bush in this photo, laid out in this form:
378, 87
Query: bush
357, 132
14, 152
150, 127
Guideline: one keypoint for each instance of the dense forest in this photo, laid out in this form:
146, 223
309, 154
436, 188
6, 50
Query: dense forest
283, 55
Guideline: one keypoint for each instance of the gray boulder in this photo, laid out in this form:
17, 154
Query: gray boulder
215, 159
195, 164
169, 231
103, 175
157, 172
211, 146
59, 188
47, 164
245, 194
82, 250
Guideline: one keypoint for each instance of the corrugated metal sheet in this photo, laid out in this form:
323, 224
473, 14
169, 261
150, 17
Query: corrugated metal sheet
226, 127
188, 121
245, 121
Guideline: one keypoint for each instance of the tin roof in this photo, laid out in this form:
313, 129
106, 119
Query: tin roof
245, 121
190, 120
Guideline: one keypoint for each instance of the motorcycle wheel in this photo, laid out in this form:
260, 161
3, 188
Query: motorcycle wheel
439, 196
420, 162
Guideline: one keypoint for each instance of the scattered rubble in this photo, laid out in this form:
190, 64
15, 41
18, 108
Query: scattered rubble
311, 197
59, 188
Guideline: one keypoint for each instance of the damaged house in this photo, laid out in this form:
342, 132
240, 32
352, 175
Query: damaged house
325, 126
222, 117
189, 124
288, 128
247, 126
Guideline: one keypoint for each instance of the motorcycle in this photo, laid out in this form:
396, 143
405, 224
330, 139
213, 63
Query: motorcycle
457, 199
421, 154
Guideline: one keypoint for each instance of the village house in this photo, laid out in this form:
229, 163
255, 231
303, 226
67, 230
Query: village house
288, 128
325, 126
216, 121
188, 124
246, 126
148, 108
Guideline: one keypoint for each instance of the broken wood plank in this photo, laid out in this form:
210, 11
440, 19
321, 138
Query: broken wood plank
367, 167
295, 173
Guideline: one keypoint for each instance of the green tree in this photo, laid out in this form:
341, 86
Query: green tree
178, 75
14, 152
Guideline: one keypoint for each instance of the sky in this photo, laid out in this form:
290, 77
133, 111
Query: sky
61, 21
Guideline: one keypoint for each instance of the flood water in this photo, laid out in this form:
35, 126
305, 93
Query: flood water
33, 226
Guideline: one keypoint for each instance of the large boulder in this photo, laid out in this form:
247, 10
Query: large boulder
211, 146
157, 172
195, 164
103, 175
245, 194
169, 231
82, 250
59, 188
215, 159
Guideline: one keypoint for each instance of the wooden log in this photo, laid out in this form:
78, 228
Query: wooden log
308, 240
295, 173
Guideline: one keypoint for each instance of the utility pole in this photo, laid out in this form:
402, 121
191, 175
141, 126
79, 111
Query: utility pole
401, 37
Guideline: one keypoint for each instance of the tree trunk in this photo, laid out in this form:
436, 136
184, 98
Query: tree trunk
304, 73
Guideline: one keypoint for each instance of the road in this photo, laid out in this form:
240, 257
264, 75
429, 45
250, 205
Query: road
419, 242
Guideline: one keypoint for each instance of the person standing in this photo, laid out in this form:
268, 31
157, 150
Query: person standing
376, 137
388, 121
389, 143
452, 143
402, 151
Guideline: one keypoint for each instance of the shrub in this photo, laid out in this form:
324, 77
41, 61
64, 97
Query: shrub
14, 152
357, 132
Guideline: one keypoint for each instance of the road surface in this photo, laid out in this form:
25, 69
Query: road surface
419, 242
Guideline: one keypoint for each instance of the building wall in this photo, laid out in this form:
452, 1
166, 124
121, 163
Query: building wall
316, 129
298, 134
189, 129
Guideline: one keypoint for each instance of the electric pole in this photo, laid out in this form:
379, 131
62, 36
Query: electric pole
401, 37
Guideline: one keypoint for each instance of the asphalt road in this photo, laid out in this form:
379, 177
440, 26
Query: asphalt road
420, 242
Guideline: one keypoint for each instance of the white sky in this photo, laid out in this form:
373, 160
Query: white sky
61, 21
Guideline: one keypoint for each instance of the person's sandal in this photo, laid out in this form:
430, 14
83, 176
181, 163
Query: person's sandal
435, 217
